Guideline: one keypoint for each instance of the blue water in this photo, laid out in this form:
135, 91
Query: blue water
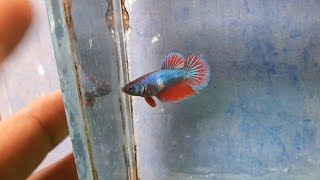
259, 115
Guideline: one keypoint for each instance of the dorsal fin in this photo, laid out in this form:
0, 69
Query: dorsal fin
173, 60
198, 70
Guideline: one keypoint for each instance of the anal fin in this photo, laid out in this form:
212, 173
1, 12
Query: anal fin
176, 93
151, 101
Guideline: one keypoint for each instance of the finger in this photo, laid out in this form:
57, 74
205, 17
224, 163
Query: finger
63, 169
29, 135
15, 18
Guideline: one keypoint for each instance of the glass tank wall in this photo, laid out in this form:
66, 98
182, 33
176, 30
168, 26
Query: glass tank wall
259, 117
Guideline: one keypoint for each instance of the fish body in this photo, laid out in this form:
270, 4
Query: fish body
177, 80
153, 83
94, 88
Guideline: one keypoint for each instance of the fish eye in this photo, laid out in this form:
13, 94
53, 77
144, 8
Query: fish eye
130, 89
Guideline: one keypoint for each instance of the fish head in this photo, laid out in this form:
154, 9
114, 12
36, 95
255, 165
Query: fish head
134, 89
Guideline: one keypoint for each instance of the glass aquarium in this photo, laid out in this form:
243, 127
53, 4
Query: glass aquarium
258, 118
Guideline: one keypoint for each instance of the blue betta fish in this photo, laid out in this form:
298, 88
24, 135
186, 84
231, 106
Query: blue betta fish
177, 80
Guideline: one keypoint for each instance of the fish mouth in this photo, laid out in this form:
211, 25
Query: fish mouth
123, 89
126, 90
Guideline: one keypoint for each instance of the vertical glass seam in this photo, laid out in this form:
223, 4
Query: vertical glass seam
125, 101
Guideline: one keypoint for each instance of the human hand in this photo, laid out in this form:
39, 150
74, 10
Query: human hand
30, 134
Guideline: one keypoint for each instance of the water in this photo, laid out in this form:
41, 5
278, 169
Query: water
257, 119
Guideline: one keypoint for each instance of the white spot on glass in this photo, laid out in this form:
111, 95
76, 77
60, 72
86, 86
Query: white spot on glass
90, 43
130, 3
155, 38
40, 70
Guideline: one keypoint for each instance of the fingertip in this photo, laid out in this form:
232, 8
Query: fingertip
33, 131
15, 18
63, 169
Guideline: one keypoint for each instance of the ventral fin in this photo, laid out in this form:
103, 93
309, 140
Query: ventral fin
90, 102
150, 101
173, 60
176, 93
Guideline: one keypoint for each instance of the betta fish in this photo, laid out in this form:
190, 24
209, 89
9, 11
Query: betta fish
94, 88
177, 80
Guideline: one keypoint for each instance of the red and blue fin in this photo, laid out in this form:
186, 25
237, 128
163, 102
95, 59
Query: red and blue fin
150, 101
176, 93
198, 77
198, 71
173, 60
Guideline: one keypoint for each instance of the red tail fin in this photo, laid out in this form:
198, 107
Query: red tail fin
199, 71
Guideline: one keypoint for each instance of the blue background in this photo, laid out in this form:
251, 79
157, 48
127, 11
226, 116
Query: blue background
259, 115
